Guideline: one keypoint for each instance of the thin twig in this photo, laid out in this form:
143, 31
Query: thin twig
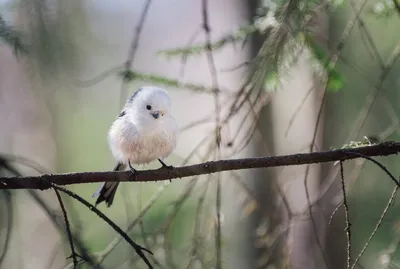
74, 255
334, 212
58, 223
103, 254
133, 48
213, 69
356, 170
194, 251
390, 202
53, 256
98, 78
333, 59
25, 161
138, 249
346, 210
147, 244
297, 110
362, 117
397, 182
313, 222
376, 90
230, 69
135, 41
186, 54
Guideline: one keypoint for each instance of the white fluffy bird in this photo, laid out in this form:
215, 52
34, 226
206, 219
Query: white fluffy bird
143, 132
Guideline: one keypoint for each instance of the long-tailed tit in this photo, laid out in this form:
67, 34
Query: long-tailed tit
143, 132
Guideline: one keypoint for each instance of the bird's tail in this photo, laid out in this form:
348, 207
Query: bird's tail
106, 192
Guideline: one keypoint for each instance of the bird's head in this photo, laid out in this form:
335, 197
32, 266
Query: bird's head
150, 104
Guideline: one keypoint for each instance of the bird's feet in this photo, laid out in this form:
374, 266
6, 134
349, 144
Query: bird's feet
164, 165
133, 171
170, 167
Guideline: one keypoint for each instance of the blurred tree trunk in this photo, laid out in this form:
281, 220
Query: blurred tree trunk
367, 105
27, 130
302, 250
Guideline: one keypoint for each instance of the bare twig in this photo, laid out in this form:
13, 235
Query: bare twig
370, 99
9, 158
376, 90
241, 65
100, 77
53, 256
185, 55
5, 159
310, 212
147, 244
133, 48
43, 182
297, 110
384, 211
346, 210
334, 212
74, 255
333, 59
378, 164
138, 249
54, 217
194, 252
356, 170
137, 32
213, 69
390, 202
103, 254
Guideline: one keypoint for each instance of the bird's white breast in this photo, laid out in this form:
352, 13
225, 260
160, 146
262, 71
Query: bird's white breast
128, 142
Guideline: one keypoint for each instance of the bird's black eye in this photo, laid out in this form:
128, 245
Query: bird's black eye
148, 107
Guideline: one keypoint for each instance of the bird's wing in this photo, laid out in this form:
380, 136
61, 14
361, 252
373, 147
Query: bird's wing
122, 113
128, 103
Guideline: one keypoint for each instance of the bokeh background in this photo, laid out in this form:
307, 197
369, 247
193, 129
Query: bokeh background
292, 76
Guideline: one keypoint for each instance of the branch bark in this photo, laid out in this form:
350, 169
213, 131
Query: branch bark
42, 182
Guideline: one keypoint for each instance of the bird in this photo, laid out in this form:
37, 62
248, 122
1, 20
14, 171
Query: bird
143, 132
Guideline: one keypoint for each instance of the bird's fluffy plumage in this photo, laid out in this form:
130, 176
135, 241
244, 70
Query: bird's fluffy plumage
144, 131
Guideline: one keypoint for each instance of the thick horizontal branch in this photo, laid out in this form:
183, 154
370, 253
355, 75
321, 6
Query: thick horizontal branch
41, 182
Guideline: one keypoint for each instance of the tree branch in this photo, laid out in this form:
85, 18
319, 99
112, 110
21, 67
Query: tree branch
42, 182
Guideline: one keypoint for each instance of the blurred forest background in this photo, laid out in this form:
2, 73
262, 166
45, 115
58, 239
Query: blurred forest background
262, 78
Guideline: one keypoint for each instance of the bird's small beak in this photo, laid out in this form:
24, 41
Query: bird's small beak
156, 114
